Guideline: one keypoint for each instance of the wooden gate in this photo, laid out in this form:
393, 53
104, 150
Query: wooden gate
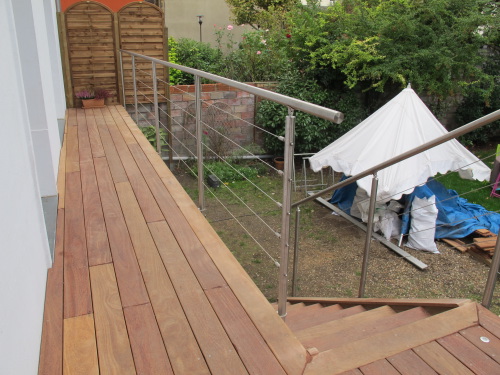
91, 36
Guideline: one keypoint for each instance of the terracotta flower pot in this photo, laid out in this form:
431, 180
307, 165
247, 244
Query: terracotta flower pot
279, 162
93, 103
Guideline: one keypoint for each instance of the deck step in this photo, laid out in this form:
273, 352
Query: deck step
310, 335
317, 317
307, 309
366, 329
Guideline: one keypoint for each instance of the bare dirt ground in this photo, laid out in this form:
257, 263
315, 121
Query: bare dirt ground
331, 251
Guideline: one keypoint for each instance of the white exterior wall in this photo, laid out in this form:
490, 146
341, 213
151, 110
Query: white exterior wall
29, 155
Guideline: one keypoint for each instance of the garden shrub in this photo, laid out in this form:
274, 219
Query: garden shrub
311, 133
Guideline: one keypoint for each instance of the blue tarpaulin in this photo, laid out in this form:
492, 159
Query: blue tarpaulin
457, 218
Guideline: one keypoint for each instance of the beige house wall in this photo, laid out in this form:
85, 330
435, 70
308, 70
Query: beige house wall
182, 21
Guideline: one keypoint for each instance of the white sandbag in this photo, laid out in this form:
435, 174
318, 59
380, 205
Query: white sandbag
360, 196
390, 224
423, 224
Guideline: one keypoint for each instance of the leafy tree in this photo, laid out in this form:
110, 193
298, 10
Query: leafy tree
255, 12
312, 133
374, 44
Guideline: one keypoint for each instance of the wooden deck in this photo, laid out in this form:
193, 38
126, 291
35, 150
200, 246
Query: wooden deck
142, 284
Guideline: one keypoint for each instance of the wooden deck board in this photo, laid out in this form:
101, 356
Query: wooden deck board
52, 335
484, 340
149, 352
80, 350
112, 339
200, 314
148, 204
408, 363
95, 227
130, 282
381, 366
440, 359
76, 274
469, 355
177, 334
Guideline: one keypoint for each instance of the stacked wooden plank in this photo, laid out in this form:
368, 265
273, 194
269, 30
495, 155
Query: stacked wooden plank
480, 245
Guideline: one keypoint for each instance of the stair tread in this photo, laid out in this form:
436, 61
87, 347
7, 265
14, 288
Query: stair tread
365, 329
352, 321
299, 322
304, 311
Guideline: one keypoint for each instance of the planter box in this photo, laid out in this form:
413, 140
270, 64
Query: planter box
93, 103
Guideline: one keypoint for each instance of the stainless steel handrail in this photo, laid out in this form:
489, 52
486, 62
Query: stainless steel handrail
299, 105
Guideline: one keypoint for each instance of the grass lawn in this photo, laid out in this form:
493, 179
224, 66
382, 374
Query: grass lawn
474, 191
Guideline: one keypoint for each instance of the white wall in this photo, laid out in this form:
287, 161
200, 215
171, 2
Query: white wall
37, 72
28, 123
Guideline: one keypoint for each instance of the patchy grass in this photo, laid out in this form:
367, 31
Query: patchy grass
477, 192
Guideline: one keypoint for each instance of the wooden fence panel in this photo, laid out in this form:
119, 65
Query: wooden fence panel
92, 35
141, 30
91, 48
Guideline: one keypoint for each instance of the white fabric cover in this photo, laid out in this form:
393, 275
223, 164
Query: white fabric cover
401, 125
423, 224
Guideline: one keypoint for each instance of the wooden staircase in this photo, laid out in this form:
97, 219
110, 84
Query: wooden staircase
329, 326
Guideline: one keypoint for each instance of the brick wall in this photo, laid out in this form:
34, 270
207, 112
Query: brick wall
226, 109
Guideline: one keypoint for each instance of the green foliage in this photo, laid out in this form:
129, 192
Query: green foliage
259, 56
480, 101
175, 75
255, 12
229, 172
150, 134
195, 55
311, 133
373, 44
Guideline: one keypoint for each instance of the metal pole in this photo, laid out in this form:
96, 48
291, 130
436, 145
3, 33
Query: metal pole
368, 240
157, 112
199, 145
123, 80
285, 216
492, 277
296, 253
135, 91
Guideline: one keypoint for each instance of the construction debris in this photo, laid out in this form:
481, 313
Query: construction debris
480, 245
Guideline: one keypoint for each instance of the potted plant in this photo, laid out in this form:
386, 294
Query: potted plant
93, 98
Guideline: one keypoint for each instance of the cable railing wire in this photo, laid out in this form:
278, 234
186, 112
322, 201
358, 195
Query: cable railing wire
233, 217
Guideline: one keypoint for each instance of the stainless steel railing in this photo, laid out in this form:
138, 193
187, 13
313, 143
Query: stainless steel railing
287, 205
291, 103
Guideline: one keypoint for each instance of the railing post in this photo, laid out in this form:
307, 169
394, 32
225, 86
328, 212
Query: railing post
492, 277
285, 216
135, 91
199, 144
368, 240
122, 75
296, 253
157, 111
